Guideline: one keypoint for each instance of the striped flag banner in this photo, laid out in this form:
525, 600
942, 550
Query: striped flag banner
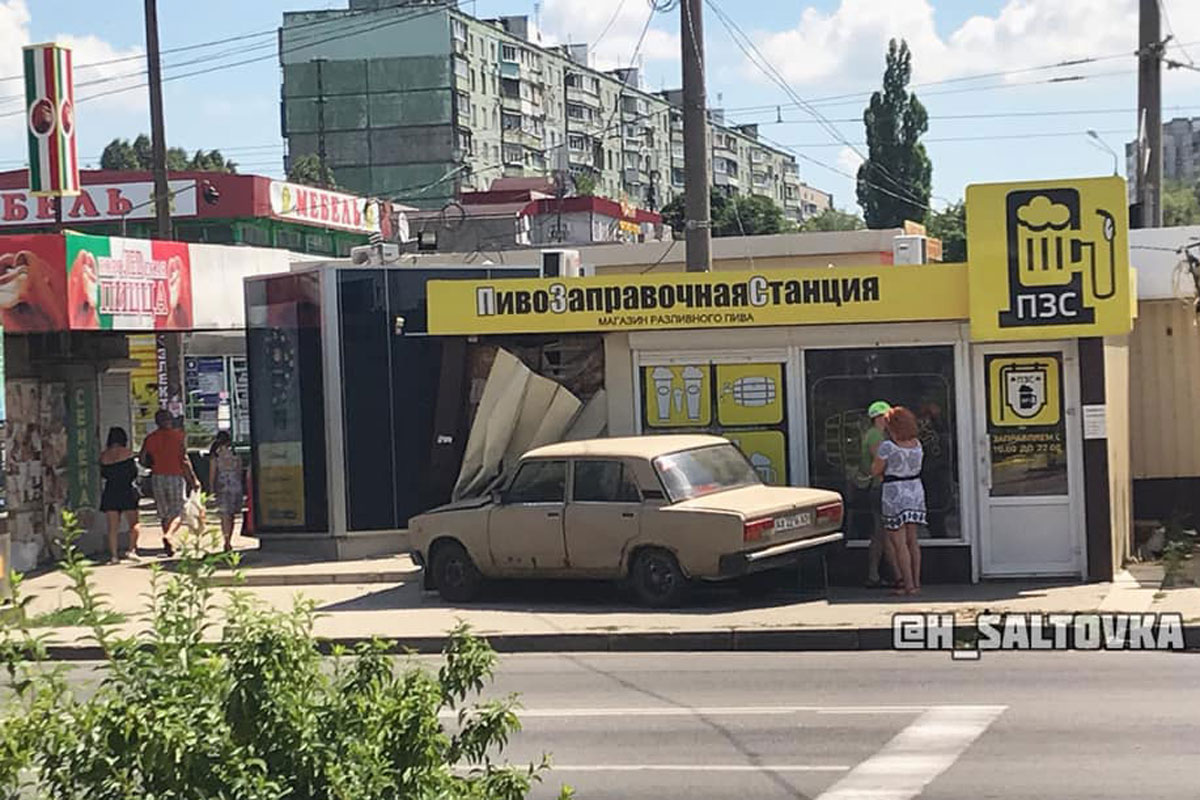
50, 118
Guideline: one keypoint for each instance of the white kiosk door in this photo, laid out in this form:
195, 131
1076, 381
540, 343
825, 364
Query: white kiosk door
1030, 459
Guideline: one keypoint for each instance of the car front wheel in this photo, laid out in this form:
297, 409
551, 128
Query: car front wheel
455, 573
656, 579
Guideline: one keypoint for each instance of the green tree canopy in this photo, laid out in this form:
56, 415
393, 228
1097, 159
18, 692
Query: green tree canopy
1181, 204
950, 226
307, 169
138, 155
833, 220
894, 182
749, 215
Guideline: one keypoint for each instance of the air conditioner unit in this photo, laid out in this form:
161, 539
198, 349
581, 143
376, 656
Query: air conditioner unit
910, 250
564, 264
375, 254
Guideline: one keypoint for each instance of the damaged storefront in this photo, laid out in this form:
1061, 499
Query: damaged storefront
1016, 366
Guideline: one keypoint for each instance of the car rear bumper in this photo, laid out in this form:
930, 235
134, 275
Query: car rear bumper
732, 565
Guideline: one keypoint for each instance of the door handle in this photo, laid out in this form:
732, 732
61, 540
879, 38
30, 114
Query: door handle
628, 515
553, 514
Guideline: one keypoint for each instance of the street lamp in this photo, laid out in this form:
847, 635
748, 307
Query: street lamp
1103, 145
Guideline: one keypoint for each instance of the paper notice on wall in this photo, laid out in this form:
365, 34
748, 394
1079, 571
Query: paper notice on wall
1095, 421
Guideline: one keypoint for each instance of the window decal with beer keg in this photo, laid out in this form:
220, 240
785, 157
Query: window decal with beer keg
1026, 430
743, 402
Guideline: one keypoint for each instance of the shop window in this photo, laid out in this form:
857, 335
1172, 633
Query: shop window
746, 403
841, 384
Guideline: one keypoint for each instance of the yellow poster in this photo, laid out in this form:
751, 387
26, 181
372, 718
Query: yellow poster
749, 394
881, 293
767, 452
1024, 391
143, 385
1049, 260
280, 484
678, 396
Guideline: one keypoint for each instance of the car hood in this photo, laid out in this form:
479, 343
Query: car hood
465, 504
759, 501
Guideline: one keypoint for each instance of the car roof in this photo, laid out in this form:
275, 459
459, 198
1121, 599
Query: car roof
646, 447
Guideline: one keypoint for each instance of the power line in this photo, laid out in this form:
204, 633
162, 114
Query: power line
986, 115
616, 13
986, 138
769, 70
1162, 6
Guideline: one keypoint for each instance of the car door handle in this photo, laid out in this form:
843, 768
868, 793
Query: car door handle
628, 515
553, 514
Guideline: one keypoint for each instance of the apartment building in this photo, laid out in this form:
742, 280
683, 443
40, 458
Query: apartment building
1181, 153
417, 100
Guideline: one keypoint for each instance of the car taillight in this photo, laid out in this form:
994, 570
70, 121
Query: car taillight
829, 514
755, 530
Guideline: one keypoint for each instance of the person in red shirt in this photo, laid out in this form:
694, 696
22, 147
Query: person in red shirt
165, 453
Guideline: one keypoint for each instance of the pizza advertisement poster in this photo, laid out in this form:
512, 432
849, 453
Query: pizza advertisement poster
128, 284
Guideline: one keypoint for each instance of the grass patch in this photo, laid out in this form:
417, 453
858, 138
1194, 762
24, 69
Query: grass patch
71, 616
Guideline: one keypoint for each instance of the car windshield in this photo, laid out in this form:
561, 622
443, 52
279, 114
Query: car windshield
694, 473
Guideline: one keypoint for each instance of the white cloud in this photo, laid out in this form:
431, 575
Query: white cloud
15, 34
579, 21
845, 47
848, 160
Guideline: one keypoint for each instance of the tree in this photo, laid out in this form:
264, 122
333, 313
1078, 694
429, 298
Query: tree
138, 155
749, 215
1181, 204
951, 227
307, 169
246, 709
894, 182
833, 220
585, 184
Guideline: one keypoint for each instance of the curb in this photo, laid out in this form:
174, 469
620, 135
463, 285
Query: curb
250, 578
780, 640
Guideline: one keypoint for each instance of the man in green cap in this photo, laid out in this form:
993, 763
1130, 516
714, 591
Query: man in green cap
871, 439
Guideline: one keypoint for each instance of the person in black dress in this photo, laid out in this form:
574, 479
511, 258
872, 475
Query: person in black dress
118, 467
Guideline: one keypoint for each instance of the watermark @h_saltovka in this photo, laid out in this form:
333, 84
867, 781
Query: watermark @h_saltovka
968, 639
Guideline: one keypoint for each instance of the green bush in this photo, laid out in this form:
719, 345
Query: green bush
241, 703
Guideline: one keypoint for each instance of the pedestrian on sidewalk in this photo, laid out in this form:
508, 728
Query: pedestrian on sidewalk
880, 545
171, 475
898, 460
225, 480
120, 497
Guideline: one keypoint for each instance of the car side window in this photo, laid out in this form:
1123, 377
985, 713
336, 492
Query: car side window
604, 482
538, 482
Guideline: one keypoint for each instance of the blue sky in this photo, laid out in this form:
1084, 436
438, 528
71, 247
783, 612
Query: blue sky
1008, 127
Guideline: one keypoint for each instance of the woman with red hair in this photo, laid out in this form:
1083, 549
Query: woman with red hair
899, 460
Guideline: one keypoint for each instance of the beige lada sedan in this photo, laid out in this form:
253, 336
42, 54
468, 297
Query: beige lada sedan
656, 511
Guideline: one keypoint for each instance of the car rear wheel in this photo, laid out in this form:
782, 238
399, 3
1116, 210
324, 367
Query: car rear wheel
656, 579
455, 574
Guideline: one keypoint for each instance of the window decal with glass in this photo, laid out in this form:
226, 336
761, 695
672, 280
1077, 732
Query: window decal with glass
746, 403
841, 384
1026, 428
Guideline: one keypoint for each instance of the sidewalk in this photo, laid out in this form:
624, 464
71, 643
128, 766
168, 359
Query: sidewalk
383, 598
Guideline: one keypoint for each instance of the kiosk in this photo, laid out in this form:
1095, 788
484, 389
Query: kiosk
1015, 363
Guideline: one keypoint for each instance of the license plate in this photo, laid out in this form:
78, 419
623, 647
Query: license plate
801, 520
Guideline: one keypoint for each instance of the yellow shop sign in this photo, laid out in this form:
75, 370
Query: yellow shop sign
699, 300
1049, 260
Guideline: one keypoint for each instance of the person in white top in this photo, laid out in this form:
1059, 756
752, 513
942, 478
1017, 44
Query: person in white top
899, 461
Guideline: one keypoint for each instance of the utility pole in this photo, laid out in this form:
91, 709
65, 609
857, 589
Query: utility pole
1149, 155
320, 62
158, 132
697, 225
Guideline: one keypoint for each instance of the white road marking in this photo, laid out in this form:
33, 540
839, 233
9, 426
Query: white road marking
706, 711
699, 768
915, 756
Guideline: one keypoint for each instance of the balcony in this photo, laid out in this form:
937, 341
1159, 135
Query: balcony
511, 70
583, 97
523, 137
725, 179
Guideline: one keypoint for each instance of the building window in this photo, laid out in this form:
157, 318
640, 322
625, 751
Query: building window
508, 53
841, 383
677, 176
510, 122
577, 143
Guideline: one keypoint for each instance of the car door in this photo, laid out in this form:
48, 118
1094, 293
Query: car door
603, 515
525, 530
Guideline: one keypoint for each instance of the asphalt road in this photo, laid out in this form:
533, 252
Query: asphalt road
861, 726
